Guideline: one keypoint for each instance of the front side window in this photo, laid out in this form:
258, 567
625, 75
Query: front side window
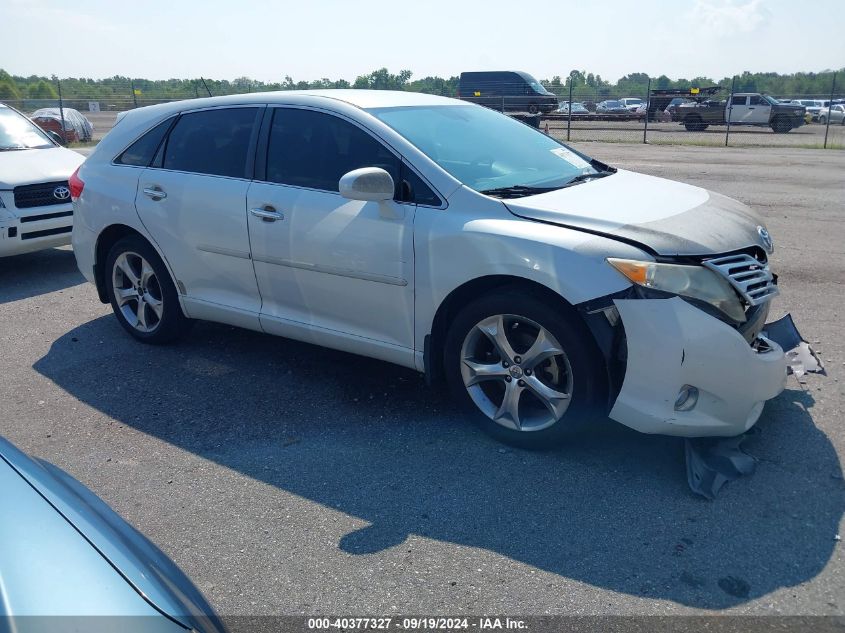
485, 149
313, 149
212, 142
756, 100
738, 101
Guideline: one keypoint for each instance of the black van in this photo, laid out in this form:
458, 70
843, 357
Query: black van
506, 91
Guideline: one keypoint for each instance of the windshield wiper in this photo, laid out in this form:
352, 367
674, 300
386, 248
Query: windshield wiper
516, 191
585, 177
12, 148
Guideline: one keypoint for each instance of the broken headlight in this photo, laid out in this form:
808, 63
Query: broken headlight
695, 282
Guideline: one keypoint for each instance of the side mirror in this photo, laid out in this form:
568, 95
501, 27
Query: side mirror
56, 137
371, 184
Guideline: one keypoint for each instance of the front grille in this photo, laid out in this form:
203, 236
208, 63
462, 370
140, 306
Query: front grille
40, 195
749, 276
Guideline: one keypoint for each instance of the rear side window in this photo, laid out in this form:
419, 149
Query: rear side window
313, 149
212, 142
738, 100
141, 152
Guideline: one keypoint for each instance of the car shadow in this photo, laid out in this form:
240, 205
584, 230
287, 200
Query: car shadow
33, 274
369, 439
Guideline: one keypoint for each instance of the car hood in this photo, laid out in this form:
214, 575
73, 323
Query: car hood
30, 166
661, 216
149, 571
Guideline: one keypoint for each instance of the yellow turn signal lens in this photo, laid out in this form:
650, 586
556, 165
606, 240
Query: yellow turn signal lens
635, 271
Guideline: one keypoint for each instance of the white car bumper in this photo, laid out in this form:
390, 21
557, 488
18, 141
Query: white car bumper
672, 344
33, 229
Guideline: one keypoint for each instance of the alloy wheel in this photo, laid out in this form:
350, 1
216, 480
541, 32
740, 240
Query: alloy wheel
137, 292
516, 372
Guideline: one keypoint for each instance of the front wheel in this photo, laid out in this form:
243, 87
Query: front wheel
529, 373
822, 120
141, 292
781, 125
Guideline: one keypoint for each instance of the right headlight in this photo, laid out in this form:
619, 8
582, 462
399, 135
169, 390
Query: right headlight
695, 282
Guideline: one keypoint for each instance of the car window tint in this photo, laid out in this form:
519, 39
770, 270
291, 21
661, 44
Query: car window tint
738, 100
211, 142
141, 152
415, 190
756, 100
313, 149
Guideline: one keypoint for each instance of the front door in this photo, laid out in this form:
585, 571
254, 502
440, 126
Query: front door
331, 271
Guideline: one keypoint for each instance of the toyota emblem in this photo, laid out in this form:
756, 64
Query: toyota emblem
768, 244
61, 193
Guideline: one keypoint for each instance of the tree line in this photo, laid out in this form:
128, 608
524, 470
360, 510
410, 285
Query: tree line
585, 85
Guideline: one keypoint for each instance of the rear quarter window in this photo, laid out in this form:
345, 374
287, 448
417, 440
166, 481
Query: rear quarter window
142, 151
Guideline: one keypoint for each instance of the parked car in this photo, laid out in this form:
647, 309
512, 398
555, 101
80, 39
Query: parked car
811, 106
506, 91
443, 237
35, 206
577, 108
674, 103
743, 108
836, 114
77, 128
611, 107
64, 552
632, 103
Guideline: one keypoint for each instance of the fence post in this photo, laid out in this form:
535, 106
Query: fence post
134, 94
569, 117
647, 101
730, 109
829, 108
61, 110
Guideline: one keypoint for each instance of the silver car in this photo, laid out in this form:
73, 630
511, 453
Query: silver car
836, 114
69, 562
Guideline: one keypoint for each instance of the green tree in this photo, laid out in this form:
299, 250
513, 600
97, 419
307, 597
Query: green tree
42, 90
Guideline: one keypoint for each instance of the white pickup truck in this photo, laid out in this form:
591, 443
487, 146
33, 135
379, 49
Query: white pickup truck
743, 108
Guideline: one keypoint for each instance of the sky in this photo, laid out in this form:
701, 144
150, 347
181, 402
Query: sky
225, 39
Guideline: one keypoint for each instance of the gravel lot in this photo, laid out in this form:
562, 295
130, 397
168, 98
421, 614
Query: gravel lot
289, 479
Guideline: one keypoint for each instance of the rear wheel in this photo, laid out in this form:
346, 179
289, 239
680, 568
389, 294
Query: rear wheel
529, 373
693, 123
141, 292
533, 109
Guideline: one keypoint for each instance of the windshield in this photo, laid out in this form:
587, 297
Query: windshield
484, 149
612, 104
18, 132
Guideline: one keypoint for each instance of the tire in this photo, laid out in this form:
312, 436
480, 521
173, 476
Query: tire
533, 109
822, 120
693, 123
479, 378
781, 125
133, 266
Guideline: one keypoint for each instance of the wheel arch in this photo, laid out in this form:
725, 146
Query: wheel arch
107, 238
468, 292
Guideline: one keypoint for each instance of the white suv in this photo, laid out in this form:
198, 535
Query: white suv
35, 206
544, 287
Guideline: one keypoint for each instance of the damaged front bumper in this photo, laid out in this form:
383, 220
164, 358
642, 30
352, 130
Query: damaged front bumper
672, 346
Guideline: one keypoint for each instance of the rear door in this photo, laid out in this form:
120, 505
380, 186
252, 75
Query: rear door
333, 271
738, 109
193, 203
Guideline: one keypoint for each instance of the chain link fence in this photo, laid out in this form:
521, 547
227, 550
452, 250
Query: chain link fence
645, 115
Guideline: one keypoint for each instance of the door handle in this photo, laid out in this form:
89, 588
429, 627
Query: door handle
267, 213
155, 193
